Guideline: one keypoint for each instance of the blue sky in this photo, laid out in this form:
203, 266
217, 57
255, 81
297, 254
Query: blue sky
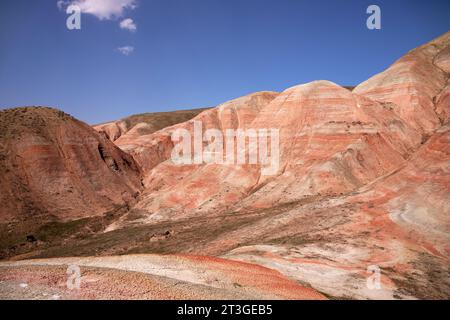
196, 53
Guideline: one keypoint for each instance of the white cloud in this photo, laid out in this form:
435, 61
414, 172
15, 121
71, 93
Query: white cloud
128, 24
127, 50
61, 4
102, 9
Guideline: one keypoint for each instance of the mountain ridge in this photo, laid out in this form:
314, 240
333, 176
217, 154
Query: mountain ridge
364, 179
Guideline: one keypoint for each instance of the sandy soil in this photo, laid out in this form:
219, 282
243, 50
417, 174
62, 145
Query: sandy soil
147, 277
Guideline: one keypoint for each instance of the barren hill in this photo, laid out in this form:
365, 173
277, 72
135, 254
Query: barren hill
363, 180
145, 123
54, 166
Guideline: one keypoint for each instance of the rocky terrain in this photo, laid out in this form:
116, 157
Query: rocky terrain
151, 277
363, 180
54, 166
145, 123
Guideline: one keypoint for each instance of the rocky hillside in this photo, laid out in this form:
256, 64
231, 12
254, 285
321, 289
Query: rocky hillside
332, 140
145, 123
54, 166
363, 180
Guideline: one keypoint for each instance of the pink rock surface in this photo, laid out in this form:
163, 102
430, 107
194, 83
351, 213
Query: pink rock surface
399, 223
363, 180
55, 166
154, 277
332, 140
412, 83
112, 130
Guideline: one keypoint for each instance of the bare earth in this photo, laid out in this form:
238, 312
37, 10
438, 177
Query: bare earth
363, 181
148, 277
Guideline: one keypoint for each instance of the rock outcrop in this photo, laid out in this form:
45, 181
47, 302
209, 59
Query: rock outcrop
54, 166
361, 182
399, 224
332, 140
413, 83
145, 123
151, 277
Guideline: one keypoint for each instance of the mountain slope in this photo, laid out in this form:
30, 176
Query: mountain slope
54, 166
145, 123
413, 83
332, 140
362, 181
